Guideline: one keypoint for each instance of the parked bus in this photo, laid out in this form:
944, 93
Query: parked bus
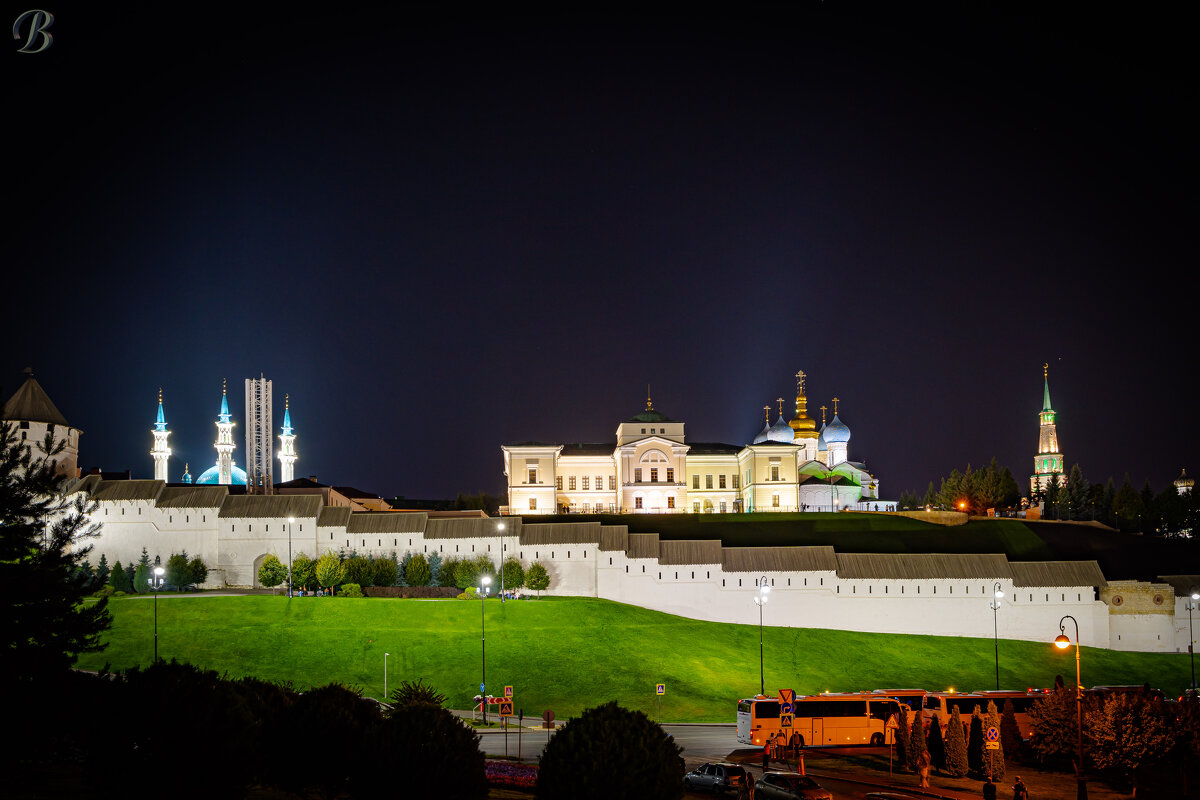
942, 703
913, 698
823, 719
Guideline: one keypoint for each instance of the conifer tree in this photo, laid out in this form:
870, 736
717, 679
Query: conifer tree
141, 584
937, 745
43, 543
117, 579
956, 746
197, 571
402, 570
993, 760
102, 572
435, 569
1010, 732
975, 743
417, 572
902, 736
916, 741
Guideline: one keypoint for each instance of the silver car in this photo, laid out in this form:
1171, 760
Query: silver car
718, 777
790, 786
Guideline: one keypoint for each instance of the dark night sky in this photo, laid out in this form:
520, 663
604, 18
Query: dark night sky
439, 235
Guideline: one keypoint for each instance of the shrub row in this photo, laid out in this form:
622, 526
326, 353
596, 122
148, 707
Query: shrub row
410, 591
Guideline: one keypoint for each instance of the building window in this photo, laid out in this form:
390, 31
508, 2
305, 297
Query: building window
587, 482
670, 474
532, 475
722, 506
654, 474
775, 473
695, 481
571, 483
612, 483
695, 506
643, 430
637, 502
670, 502
708, 481
599, 482
721, 481
558, 483
737, 481
637, 475
775, 501
533, 504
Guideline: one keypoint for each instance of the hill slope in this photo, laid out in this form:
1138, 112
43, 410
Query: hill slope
572, 653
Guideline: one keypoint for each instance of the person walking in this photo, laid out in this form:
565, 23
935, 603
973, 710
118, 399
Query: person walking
1019, 790
989, 789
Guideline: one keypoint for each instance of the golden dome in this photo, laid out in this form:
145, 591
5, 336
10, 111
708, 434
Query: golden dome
803, 426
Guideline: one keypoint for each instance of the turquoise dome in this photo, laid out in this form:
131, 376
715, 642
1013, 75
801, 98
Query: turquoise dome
212, 475
837, 432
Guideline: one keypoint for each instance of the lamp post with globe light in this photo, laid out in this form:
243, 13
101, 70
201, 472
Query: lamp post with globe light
996, 629
291, 521
1191, 635
500, 528
485, 581
156, 583
760, 600
1062, 642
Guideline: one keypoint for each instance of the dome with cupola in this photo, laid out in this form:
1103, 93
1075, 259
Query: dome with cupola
836, 432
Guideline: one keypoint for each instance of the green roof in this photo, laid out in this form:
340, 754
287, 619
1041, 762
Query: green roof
650, 415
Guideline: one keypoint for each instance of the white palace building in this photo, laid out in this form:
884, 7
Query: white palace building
651, 468
811, 586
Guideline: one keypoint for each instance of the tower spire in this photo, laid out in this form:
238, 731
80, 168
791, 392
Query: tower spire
1046, 388
1049, 460
767, 414
224, 443
649, 403
161, 452
823, 409
835, 406
287, 444
780, 401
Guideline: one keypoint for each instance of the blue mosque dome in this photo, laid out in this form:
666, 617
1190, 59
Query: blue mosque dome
212, 475
836, 432
781, 431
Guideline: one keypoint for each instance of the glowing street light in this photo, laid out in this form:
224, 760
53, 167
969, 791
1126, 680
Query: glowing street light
760, 600
291, 521
996, 629
1191, 634
500, 528
156, 582
1062, 642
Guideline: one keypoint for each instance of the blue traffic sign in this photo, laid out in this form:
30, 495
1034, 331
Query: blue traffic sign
787, 708
481, 689
993, 735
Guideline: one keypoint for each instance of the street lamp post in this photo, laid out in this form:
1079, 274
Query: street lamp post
760, 600
485, 582
996, 630
500, 527
385, 694
156, 582
1062, 642
291, 521
1192, 635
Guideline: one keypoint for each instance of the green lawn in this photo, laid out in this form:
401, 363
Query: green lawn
568, 654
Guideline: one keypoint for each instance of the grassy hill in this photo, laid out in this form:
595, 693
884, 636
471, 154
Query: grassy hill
572, 653
1121, 555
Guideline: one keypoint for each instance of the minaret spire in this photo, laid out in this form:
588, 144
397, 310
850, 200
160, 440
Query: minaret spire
287, 444
649, 404
161, 452
224, 443
1049, 461
1046, 388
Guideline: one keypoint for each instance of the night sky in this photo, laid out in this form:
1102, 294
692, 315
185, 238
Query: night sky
443, 234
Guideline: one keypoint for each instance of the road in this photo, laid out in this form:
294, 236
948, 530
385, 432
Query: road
700, 743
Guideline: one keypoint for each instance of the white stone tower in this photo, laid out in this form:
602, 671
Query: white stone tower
161, 452
224, 443
1049, 461
287, 446
260, 477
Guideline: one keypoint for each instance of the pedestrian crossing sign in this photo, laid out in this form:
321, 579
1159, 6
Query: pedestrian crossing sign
785, 720
506, 709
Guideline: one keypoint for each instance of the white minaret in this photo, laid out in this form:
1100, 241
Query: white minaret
161, 452
287, 445
224, 443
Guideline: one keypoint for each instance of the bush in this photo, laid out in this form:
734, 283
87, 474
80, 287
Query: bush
956, 746
358, 570
416, 693
303, 571
903, 732
351, 590
417, 573
611, 753
448, 572
469, 594
197, 571
410, 591
105, 591
178, 574
383, 572
427, 750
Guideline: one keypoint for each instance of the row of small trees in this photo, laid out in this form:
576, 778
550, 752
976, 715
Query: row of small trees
180, 573
332, 570
961, 751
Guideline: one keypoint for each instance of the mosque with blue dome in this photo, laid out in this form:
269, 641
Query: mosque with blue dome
225, 471
791, 465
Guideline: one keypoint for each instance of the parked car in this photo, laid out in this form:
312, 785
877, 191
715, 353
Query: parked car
790, 786
718, 777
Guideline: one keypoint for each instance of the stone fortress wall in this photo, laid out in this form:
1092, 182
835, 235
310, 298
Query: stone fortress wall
814, 587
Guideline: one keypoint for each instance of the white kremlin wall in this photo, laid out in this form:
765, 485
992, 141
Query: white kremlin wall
811, 587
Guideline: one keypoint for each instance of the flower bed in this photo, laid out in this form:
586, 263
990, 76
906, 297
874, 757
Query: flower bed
506, 773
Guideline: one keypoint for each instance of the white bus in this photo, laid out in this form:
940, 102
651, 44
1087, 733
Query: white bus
942, 703
823, 719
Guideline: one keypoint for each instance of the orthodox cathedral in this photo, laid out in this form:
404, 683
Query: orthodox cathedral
791, 465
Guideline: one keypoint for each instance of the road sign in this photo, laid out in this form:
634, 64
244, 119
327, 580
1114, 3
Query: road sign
787, 708
508, 691
506, 708
482, 688
660, 689
992, 737
785, 720
787, 695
